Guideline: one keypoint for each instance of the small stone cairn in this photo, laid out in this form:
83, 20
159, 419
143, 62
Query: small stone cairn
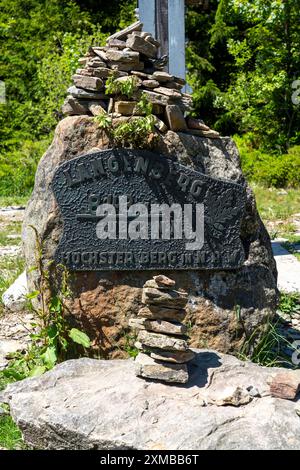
132, 53
162, 337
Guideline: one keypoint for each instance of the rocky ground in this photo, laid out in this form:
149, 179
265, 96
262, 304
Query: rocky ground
98, 404
275, 228
15, 326
10, 221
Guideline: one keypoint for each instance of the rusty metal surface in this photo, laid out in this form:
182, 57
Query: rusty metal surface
83, 183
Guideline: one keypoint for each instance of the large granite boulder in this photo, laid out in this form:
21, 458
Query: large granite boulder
224, 308
98, 404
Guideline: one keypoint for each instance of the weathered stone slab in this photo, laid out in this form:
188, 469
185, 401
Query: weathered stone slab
116, 43
180, 81
173, 85
164, 281
150, 84
178, 357
229, 396
155, 98
73, 107
148, 37
100, 53
158, 326
155, 285
88, 83
156, 340
164, 298
96, 62
83, 60
161, 313
137, 26
198, 124
137, 43
142, 75
84, 94
185, 103
125, 67
208, 134
96, 108
70, 415
115, 55
168, 92
285, 384
148, 368
175, 118
159, 124
162, 76
127, 108
89, 71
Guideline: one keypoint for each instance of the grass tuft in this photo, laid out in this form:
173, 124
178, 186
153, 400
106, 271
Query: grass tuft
6, 201
10, 434
274, 204
269, 349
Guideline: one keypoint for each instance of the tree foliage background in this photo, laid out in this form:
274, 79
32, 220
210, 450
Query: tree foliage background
242, 58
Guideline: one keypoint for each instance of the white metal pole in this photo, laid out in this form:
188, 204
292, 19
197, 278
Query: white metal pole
147, 15
177, 37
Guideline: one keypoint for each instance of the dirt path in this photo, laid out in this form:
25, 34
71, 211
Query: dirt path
288, 269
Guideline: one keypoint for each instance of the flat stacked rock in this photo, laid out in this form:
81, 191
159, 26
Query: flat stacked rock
132, 53
162, 337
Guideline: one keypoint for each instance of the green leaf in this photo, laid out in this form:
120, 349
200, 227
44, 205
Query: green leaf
49, 357
63, 343
32, 295
12, 373
80, 338
56, 305
52, 331
36, 371
31, 269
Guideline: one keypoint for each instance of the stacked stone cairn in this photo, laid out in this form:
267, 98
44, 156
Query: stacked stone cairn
161, 335
132, 53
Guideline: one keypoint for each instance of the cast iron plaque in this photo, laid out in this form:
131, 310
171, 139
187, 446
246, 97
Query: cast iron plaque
136, 210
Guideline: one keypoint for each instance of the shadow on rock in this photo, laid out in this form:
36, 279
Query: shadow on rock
199, 366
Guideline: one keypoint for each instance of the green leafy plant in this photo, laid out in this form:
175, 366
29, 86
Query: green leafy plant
242, 60
276, 170
104, 121
126, 86
134, 133
53, 340
129, 346
144, 106
289, 303
137, 131
41, 42
10, 434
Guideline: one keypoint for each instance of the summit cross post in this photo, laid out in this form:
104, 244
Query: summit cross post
165, 20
